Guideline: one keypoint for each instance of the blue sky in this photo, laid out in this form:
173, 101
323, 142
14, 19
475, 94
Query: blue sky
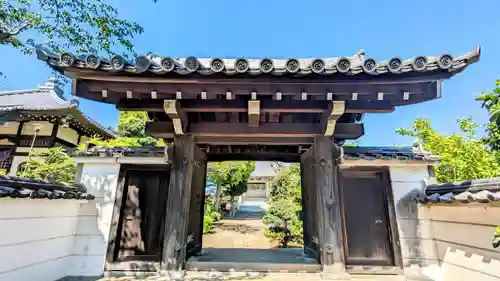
314, 28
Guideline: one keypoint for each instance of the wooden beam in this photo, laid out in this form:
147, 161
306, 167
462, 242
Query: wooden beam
227, 140
267, 132
161, 129
92, 76
253, 113
216, 129
243, 156
337, 108
266, 106
178, 116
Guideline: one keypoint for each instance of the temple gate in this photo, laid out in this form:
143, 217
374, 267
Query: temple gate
294, 110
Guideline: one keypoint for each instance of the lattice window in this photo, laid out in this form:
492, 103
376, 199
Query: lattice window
6, 164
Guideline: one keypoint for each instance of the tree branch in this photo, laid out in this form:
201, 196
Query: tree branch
7, 33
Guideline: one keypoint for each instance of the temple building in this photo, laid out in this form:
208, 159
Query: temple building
35, 119
290, 110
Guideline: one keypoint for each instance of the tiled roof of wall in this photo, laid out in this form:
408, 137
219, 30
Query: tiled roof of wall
353, 65
472, 191
15, 187
350, 153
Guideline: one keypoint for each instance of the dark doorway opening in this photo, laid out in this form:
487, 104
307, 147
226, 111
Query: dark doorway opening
240, 242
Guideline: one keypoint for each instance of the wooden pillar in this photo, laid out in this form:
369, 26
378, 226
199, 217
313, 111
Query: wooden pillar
197, 204
329, 223
305, 209
310, 215
181, 155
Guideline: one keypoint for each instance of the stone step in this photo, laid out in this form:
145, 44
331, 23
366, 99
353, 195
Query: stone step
236, 275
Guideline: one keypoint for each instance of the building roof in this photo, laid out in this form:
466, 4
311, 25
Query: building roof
151, 65
14, 187
471, 191
48, 100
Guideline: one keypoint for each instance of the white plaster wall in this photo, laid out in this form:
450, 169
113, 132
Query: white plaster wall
36, 238
463, 235
94, 219
67, 134
418, 249
45, 130
9, 128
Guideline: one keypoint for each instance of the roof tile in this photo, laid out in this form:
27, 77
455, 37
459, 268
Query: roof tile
354, 65
475, 191
15, 187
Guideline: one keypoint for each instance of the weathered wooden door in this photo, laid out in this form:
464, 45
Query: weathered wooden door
366, 222
141, 223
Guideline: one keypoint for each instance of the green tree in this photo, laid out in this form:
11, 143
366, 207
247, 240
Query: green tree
491, 101
232, 177
53, 165
283, 214
131, 131
78, 25
463, 155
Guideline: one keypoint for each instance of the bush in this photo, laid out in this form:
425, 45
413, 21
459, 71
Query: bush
52, 165
283, 214
496, 238
211, 215
284, 223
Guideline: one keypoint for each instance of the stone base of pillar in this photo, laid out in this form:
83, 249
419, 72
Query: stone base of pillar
171, 275
335, 272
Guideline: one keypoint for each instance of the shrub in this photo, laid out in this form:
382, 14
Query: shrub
282, 216
211, 215
283, 221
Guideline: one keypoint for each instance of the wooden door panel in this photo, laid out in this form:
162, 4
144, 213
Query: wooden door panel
142, 216
366, 220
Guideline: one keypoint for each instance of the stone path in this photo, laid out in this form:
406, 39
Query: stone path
245, 230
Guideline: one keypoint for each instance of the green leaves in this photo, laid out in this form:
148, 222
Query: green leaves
285, 206
496, 238
55, 166
132, 132
463, 156
231, 175
80, 26
491, 101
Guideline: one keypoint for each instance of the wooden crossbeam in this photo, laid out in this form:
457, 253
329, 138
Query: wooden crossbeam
254, 141
253, 113
271, 106
179, 118
337, 108
266, 132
